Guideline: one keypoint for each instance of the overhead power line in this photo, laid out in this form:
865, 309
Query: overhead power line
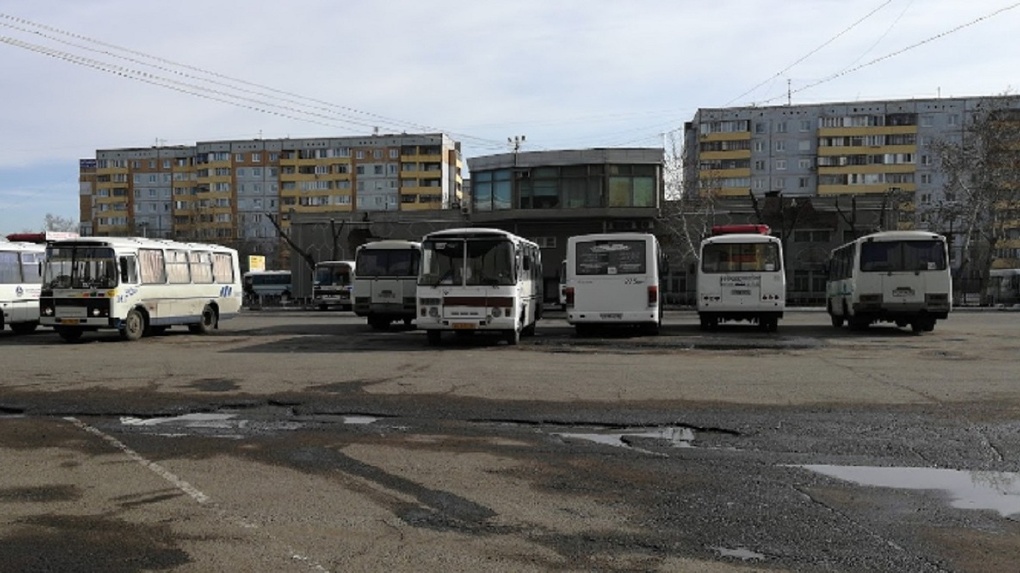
207, 84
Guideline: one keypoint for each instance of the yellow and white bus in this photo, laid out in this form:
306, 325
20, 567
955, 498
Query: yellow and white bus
20, 284
741, 277
137, 286
479, 280
893, 276
614, 279
385, 286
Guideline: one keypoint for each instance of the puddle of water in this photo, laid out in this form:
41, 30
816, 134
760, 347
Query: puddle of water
199, 420
997, 491
360, 419
677, 437
739, 553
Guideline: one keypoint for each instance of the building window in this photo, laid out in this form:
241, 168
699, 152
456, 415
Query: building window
803, 182
759, 164
805, 125
780, 164
780, 146
759, 146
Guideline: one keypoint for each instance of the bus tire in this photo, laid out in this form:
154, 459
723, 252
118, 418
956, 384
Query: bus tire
134, 325
24, 327
435, 337
513, 336
837, 320
69, 333
207, 323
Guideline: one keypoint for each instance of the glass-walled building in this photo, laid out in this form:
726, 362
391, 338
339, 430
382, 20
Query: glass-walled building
591, 179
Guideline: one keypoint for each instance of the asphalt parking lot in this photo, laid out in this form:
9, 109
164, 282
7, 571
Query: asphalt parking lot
301, 440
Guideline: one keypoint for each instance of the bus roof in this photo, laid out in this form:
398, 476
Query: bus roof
623, 236
22, 246
902, 236
139, 243
391, 244
476, 233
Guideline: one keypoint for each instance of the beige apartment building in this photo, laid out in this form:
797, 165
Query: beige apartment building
237, 192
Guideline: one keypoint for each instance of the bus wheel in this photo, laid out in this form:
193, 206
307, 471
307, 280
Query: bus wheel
134, 325
23, 327
837, 321
513, 336
407, 322
435, 337
207, 323
68, 333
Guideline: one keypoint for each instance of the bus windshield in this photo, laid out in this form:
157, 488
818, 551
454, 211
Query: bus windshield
893, 256
332, 275
388, 262
740, 257
469, 262
610, 257
80, 267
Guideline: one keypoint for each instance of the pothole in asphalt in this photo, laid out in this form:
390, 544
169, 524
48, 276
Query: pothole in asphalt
997, 491
225, 425
675, 436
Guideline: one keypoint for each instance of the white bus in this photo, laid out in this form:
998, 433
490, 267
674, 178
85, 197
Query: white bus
1003, 287
267, 285
741, 277
614, 279
137, 286
479, 280
20, 284
893, 276
386, 284
332, 283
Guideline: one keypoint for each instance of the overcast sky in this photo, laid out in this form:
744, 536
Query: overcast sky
567, 74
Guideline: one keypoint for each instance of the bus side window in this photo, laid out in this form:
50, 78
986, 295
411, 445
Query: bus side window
128, 270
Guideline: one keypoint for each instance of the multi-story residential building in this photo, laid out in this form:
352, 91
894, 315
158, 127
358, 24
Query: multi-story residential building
238, 192
871, 148
858, 148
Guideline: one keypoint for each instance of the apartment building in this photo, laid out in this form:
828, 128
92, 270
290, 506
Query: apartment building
231, 192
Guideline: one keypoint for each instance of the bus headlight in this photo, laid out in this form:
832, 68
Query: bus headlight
495, 312
48, 311
434, 312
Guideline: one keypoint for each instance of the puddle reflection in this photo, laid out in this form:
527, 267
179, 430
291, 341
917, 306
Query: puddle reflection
675, 436
997, 491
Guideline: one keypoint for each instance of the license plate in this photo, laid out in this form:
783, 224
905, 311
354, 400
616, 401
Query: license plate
611, 315
741, 292
463, 326
69, 321
903, 291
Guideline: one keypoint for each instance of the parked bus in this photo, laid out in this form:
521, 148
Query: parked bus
614, 279
479, 280
386, 284
1003, 287
20, 284
332, 284
562, 300
267, 285
741, 277
894, 276
137, 286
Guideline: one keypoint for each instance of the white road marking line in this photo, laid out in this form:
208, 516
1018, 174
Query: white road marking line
186, 487
159, 470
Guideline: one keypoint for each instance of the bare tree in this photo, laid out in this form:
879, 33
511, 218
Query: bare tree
982, 192
57, 223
